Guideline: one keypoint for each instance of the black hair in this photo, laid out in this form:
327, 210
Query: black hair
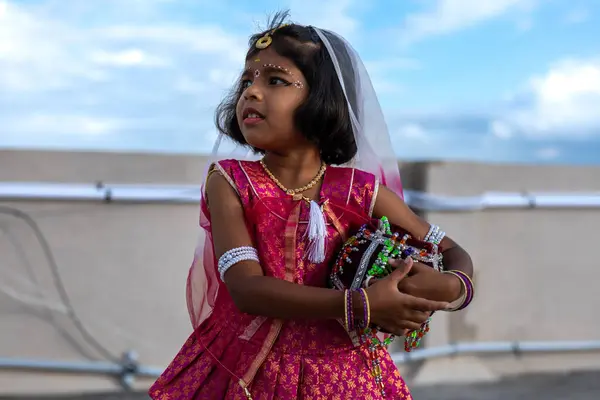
323, 118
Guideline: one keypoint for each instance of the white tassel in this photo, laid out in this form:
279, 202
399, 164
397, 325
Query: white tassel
316, 233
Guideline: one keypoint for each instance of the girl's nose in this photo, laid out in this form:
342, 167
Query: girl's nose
253, 92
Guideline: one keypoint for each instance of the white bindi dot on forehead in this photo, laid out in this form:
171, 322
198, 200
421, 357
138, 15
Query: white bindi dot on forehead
256, 73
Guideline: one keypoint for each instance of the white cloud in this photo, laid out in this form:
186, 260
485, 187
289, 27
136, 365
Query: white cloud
447, 16
125, 74
201, 39
191, 85
66, 124
127, 58
565, 101
35, 52
501, 130
332, 15
412, 131
126, 70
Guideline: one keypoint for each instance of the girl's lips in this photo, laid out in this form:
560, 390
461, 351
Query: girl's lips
253, 121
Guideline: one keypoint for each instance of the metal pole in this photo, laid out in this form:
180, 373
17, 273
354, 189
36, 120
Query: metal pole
457, 349
488, 348
133, 193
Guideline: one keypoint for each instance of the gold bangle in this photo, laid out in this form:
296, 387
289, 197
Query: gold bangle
463, 294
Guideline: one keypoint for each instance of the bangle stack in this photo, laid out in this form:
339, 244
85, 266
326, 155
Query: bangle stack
234, 256
350, 320
366, 335
435, 235
468, 289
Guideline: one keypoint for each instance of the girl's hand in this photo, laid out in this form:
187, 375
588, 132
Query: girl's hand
423, 281
394, 311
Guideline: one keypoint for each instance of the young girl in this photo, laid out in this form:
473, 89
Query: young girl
266, 323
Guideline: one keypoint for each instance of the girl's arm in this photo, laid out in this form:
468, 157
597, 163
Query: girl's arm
395, 209
254, 293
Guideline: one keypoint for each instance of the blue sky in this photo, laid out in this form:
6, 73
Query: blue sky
482, 80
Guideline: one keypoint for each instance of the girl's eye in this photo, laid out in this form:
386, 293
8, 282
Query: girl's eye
246, 84
278, 81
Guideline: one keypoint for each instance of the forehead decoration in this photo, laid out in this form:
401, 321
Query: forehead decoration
298, 84
266, 40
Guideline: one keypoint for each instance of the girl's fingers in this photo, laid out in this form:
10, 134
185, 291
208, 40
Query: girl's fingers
417, 316
418, 303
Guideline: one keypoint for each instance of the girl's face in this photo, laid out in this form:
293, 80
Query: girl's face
272, 89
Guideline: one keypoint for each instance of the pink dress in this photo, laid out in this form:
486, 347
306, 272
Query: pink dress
283, 359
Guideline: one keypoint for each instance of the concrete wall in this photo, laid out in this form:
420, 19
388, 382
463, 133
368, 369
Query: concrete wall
124, 267
535, 272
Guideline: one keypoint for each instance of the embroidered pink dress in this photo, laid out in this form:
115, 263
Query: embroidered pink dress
282, 359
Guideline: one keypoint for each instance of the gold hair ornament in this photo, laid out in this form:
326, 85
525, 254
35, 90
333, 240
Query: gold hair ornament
267, 39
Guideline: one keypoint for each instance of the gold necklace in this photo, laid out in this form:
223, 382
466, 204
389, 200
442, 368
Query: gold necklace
296, 193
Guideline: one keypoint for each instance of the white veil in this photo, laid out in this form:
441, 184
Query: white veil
375, 153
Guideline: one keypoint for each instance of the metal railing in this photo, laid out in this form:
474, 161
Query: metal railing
191, 194
129, 369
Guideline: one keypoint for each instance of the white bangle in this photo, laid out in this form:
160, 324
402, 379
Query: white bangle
431, 229
435, 235
234, 256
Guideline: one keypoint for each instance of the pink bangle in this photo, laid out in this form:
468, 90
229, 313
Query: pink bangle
366, 309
